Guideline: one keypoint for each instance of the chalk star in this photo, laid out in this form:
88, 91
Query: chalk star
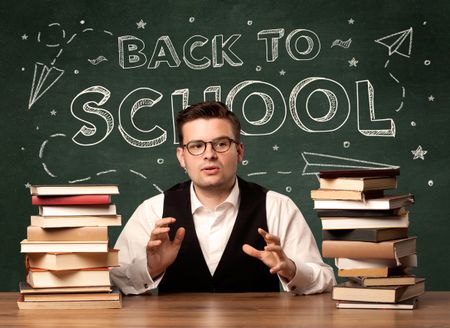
419, 153
282, 72
351, 21
431, 98
24, 37
141, 24
53, 112
275, 148
353, 62
28, 185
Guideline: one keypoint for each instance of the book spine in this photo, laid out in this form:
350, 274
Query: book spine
71, 200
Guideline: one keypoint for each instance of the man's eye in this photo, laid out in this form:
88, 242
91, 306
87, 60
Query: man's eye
197, 145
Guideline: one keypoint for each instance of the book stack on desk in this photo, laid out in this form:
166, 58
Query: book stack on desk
67, 254
366, 232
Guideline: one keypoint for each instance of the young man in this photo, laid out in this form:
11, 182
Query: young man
217, 232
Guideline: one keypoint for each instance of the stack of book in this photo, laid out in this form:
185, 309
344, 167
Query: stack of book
67, 254
366, 232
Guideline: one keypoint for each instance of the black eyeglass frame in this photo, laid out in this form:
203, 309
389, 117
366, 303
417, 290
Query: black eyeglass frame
205, 144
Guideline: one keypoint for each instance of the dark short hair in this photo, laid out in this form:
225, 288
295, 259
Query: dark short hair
207, 110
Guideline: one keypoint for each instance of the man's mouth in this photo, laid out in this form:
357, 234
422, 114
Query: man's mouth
210, 169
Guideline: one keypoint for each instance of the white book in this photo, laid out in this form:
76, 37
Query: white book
27, 246
331, 223
343, 263
74, 189
79, 210
382, 203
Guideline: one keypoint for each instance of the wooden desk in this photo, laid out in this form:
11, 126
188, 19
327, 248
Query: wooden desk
274, 310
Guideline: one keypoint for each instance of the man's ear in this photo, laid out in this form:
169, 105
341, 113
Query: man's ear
180, 156
240, 151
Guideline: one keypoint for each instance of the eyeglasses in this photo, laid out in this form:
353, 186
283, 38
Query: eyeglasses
220, 145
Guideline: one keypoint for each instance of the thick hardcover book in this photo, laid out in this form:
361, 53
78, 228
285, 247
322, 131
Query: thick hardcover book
72, 297
26, 289
358, 184
73, 261
391, 249
381, 172
74, 189
71, 200
350, 291
68, 305
27, 246
384, 203
38, 278
67, 234
75, 221
334, 222
396, 280
360, 213
345, 194
373, 235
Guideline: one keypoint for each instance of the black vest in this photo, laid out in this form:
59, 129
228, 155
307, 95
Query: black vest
236, 271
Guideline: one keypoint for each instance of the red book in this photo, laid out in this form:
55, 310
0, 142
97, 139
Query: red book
71, 200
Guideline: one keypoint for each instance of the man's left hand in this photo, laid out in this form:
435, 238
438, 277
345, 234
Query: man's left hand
273, 256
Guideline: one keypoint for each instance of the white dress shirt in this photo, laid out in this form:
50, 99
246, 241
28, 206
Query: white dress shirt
213, 228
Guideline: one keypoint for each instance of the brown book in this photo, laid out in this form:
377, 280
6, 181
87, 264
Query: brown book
403, 305
370, 272
67, 234
359, 184
38, 278
385, 281
27, 289
350, 291
74, 189
75, 221
391, 249
56, 305
71, 297
375, 172
73, 261
346, 194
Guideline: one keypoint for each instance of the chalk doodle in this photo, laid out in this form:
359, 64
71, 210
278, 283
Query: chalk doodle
399, 43
97, 60
316, 162
341, 43
419, 153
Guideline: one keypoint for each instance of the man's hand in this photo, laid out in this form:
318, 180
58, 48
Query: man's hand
161, 251
273, 256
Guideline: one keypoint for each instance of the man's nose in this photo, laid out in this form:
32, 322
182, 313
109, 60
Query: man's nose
210, 151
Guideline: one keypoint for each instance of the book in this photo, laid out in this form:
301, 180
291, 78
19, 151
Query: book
73, 261
56, 305
371, 272
79, 210
346, 263
383, 203
75, 221
372, 235
67, 234
337, 223
27, 289
27, 246
360, 213
380, 172
409, 304
390, 249
385, 281
74, 189
71, 200
345, 194
38, 278
349, 291
114, 295
358, 184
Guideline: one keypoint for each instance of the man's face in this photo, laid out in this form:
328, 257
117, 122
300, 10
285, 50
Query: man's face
210, 171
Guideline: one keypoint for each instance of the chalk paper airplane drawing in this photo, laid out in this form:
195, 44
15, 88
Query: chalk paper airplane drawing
43, 79
315, 162
399, 43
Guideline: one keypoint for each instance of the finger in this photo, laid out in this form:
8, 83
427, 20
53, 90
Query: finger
152, 244
159, 233
164, 222
179, 236
274, 248
277, 268
269, 238
249, 250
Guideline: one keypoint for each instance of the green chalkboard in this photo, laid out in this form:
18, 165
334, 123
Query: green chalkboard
89, 90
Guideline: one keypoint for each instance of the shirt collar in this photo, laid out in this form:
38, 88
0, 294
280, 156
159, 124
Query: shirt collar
232, 199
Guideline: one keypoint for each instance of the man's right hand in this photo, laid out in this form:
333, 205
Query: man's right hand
161, 251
